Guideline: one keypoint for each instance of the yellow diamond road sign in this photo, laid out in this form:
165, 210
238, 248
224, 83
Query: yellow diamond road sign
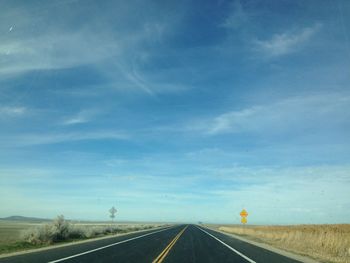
243, 213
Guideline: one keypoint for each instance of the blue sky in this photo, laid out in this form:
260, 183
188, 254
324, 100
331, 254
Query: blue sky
176, 110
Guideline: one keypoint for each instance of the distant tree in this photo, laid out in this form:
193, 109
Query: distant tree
112, 212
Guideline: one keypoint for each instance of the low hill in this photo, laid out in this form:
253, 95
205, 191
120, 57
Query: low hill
24, 219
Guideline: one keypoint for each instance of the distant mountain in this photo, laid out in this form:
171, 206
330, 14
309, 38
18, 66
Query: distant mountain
24, 219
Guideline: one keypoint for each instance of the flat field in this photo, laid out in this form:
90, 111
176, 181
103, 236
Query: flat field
326, 243
10, 231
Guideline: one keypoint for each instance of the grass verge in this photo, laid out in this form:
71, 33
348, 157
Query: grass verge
325, 243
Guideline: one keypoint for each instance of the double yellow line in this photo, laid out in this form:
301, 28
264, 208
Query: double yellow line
165, 252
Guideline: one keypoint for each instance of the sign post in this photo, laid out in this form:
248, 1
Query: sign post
244, 215
112, 212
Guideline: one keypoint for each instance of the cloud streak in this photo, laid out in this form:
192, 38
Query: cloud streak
115, 53
81, 117
12, 111
302, 113
237, 17
287, 42
55, 51
54, 138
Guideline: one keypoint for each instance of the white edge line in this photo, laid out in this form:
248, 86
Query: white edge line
110, 245
234, 250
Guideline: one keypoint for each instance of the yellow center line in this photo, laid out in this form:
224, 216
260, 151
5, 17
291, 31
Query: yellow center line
165, 252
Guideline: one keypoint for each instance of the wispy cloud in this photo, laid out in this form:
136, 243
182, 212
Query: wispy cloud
54, 51
34, 44
152, 87
237, 17
287, 42
138, 81
115, 53
301, 113
12, 111
53, 138
83, 116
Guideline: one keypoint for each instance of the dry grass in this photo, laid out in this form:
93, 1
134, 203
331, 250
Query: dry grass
327, 243
15, 236
10, 231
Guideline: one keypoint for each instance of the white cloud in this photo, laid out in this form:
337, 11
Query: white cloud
311, 112
138, 81
285, 43
83, 116
233, 121
12, 111
38, 139
118, 59
54, 51
34, 43
237, 16
151, 87
117, 52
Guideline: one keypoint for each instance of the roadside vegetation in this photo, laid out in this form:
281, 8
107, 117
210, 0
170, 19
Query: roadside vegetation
326, 243
17, 237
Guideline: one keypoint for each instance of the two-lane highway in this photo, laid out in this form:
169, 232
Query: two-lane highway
182, 243
199, 244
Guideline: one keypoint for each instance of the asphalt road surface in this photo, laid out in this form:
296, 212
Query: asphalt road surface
183, 243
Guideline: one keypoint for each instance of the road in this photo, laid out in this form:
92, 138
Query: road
182, 243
